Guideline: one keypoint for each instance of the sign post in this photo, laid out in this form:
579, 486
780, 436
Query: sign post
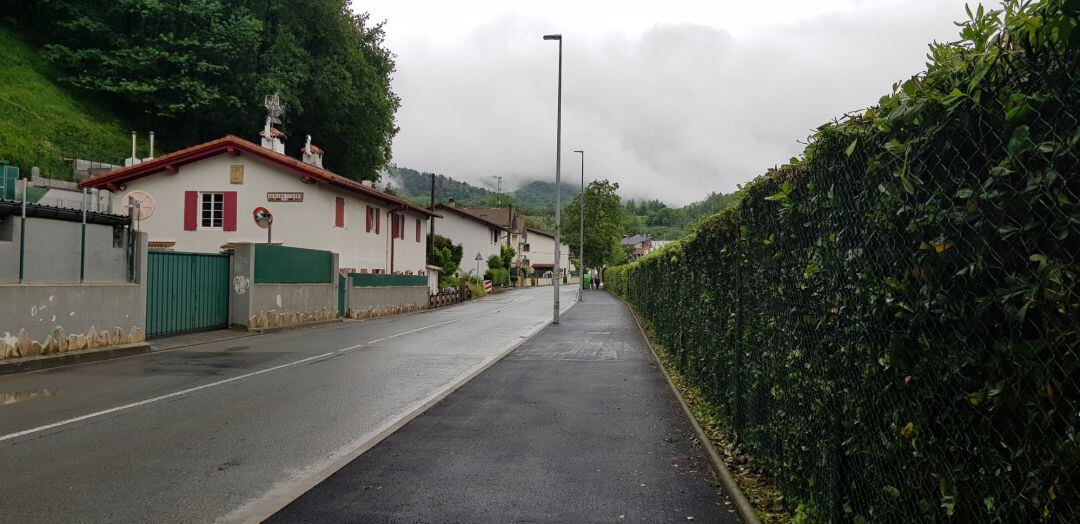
478, 259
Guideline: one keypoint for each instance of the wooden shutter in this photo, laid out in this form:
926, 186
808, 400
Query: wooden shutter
339, 212
191, 210
418, 230
378, 220
228, 218
367, 218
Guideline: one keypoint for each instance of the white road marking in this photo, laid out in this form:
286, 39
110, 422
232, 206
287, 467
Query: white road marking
96, 414
155, 399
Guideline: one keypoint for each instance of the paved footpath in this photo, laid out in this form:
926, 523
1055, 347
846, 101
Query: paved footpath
576, 425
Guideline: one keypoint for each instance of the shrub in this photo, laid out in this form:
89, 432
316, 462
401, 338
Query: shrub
891, 324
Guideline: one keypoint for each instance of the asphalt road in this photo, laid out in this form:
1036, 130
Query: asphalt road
235, 429
575, 425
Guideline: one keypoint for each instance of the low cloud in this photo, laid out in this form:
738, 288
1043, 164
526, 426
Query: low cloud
674, 112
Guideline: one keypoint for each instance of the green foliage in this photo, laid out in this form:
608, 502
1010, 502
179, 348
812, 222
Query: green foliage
448, 257
603, 225
891, 324
665, 223
498, 276
41, 123
197, 70
416, 184
499, 266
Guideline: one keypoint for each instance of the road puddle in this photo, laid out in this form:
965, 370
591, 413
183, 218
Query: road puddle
21, 396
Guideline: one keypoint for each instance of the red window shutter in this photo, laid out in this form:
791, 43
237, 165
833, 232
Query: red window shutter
367, 218
378, 221
228, 219
418, 230
191, 210
339, 212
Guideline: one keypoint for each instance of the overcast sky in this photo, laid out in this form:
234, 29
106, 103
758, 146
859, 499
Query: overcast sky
671, 99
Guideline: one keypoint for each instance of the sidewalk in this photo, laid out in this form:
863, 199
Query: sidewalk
576, 425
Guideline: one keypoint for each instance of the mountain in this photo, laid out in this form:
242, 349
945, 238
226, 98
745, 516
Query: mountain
535, 198
536, 201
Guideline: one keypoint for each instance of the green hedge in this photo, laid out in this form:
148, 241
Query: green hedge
891, 324
292, 265
373, 280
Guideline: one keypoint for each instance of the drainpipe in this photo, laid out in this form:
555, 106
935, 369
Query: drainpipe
22, 232
82, 241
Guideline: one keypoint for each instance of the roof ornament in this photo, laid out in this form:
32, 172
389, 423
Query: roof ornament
272, 137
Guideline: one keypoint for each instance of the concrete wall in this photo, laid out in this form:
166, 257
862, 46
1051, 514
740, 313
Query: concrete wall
367, 302
257, 306
308, 224
39, 308
52, 251
79, 313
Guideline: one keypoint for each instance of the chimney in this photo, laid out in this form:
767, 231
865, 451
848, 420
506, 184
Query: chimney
151, 156
272, 138
134, 159
312, 154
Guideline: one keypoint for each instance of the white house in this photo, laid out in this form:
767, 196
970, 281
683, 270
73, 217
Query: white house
475, 234
541, 253
202, 199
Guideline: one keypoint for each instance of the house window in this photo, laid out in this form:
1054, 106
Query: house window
212, 210
372, 222
418, 230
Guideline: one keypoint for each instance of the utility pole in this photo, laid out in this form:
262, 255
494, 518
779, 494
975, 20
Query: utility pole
555, 275
431, 225
581, 239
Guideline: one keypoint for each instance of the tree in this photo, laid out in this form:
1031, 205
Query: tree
199, 69
604, 216
448, 257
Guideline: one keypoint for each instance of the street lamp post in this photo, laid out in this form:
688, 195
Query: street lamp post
558, 171
581, 239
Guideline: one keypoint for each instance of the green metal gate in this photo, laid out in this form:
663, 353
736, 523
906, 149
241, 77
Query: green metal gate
186, 292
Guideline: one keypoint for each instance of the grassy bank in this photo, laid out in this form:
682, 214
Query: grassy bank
41, 122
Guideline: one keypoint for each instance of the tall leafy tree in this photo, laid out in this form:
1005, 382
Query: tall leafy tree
198, 69
604, 217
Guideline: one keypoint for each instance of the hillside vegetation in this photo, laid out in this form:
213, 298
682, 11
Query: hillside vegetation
536, 201
198, 70
42, 122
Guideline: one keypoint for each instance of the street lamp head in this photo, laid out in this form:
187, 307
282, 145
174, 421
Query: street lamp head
552, 37
579, 151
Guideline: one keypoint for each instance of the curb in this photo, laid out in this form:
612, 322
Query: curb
38, 363
727, 480
265, 507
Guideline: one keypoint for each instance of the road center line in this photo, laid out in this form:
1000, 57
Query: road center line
174, 394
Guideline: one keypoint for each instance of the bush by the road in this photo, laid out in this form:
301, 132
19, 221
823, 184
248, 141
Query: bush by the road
891, 324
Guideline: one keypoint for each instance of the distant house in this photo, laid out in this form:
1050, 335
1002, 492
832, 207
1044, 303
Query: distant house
202, 199
507, 218
638, 245
542, 253
477, 235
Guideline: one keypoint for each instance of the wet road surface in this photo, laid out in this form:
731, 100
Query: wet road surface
236, 428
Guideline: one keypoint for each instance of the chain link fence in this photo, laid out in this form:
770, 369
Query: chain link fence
891, 325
